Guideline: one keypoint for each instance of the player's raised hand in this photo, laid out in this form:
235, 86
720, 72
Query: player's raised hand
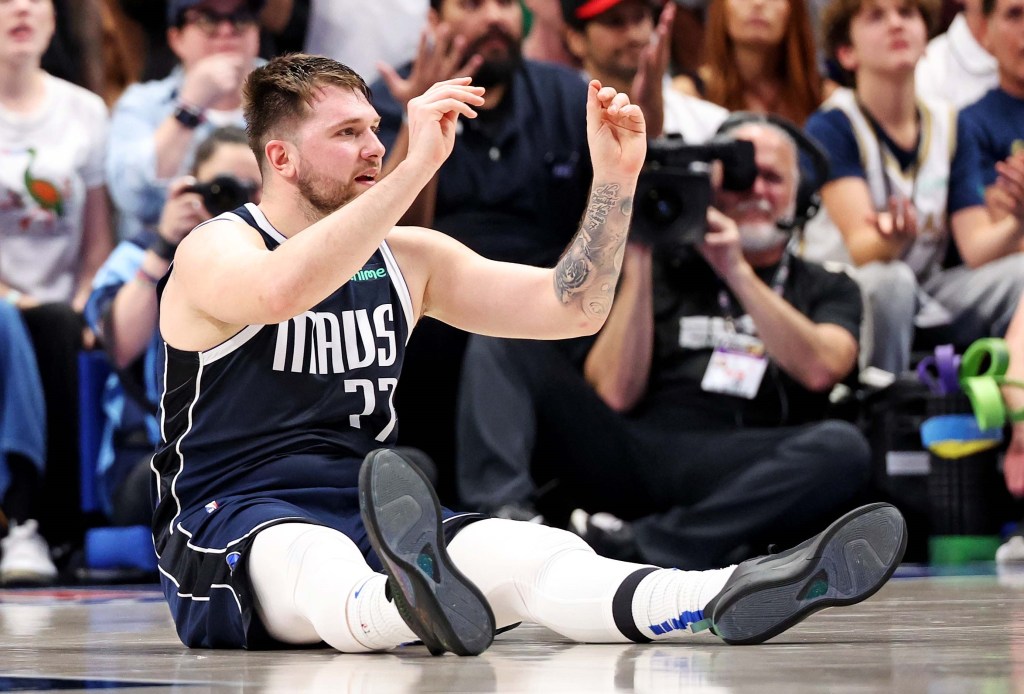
616, 132
433, 115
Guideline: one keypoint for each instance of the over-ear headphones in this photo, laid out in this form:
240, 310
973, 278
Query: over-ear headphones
812, 160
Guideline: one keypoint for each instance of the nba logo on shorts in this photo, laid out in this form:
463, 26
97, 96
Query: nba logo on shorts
212, 506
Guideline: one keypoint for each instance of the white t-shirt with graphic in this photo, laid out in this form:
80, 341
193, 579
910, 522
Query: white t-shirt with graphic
48, 160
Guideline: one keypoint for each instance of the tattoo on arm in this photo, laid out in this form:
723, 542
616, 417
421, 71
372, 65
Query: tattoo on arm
588, 270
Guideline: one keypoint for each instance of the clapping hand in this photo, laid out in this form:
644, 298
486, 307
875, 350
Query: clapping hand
437, 60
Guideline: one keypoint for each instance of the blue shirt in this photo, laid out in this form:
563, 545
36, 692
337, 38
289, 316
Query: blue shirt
131, 156
517, 181
987, 132
832, 128
120, 412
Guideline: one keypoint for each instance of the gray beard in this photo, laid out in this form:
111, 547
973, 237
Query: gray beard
762, 236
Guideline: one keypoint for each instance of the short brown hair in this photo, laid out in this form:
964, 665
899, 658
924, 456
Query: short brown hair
836, 19
284, 88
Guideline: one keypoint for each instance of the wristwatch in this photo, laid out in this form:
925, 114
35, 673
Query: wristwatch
189, 116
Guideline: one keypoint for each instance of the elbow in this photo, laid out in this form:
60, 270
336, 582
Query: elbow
820, 382
121, 357
590, 326
592, 321
822, 378
971, 257
619, 401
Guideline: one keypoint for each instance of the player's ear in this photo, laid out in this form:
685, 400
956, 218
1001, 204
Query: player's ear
281, 157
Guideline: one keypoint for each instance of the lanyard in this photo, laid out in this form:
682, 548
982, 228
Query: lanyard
778, 285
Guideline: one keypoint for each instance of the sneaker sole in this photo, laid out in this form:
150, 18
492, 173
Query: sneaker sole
846, 563
403, 519
27, 578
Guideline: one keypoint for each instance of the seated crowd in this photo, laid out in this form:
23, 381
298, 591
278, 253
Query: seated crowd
882, 213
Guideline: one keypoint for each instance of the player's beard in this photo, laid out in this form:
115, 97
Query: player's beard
323, 193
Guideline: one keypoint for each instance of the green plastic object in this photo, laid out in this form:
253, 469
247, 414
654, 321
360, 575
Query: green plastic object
957, 550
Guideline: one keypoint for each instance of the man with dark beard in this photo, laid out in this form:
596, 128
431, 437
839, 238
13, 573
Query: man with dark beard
513, 189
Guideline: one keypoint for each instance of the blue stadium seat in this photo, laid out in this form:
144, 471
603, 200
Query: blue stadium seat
130, 547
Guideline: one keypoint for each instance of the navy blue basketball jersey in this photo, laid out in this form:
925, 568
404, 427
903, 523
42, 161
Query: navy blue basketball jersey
279, 410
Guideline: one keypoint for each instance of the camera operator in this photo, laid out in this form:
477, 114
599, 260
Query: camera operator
698, 412
122, 308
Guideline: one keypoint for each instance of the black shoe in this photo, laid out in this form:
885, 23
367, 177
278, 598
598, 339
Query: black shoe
843, 565
403, 521
608, 535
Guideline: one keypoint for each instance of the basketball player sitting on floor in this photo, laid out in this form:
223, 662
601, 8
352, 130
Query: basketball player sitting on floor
285, 323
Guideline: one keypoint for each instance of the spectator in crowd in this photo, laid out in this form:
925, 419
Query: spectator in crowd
546, 38
1013, 464
622, 44
282, 29
160, 123
956, 67
54, 235
654, 430
24, 554
122, 310
885, 207
987, 176
513, 189
760, 57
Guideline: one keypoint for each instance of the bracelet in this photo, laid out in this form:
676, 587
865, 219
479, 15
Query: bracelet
142, 276
13, 296
163, 248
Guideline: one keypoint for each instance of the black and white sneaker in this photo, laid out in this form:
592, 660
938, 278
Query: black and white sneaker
844, 564
403, 521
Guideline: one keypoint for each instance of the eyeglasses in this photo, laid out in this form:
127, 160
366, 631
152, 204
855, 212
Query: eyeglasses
207, 20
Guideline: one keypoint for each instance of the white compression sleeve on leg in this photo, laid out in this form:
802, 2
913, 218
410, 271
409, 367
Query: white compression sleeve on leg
312, 584
542, 574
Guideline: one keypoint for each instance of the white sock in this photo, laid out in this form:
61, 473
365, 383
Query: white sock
667, 601
373, 619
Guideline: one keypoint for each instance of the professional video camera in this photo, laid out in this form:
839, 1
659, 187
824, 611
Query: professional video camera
674, 189
224, 193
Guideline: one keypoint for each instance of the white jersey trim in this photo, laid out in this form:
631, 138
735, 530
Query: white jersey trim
232, 543
230, 345
398, 280
261, 220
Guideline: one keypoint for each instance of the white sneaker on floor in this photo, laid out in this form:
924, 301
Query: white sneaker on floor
1011, 551
26, 556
